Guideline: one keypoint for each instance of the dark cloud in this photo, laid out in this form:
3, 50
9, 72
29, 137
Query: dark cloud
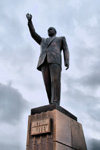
94, 144
86, 106
92, 79
12, 104
95, 113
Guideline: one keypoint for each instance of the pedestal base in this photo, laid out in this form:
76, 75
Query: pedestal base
53, 128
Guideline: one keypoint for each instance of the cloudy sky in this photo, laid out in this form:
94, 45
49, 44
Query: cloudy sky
21, 84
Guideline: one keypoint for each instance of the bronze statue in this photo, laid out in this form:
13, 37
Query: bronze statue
50, 60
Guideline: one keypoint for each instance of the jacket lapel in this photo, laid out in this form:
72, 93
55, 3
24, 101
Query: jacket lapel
50, 40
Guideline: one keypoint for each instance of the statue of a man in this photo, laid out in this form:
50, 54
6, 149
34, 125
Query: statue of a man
50, 60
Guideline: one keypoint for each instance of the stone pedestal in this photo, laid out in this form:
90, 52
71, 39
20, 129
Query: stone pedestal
53, 128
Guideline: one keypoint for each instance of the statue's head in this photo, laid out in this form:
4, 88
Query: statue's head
52, 31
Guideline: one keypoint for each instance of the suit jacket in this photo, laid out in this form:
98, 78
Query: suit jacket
50, 48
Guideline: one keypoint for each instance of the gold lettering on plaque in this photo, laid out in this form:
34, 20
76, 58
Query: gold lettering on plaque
41, 127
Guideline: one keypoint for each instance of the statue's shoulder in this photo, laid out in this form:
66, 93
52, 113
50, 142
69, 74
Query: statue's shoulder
61, 37
43, 40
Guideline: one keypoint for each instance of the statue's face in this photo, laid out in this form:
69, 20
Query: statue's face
51, 31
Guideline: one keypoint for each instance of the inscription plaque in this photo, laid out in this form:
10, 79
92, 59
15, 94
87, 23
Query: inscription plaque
41, 127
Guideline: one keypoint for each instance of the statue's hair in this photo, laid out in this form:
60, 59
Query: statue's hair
52, 28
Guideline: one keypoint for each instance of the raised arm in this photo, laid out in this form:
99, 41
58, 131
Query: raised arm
66, 53
34, 35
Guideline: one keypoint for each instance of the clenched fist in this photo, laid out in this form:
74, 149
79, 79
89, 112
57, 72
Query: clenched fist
29, 17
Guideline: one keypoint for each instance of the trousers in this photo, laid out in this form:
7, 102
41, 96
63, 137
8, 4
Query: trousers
52, 80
